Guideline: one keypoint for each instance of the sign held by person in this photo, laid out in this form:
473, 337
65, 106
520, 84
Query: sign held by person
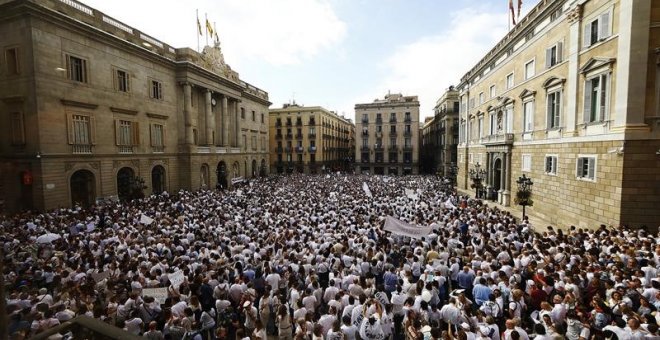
402, 228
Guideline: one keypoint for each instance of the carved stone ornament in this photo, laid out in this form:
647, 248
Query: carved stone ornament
213, 60
575, 14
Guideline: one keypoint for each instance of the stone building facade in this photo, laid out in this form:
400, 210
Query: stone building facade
94, 107
569, 97
440, 136
387, 136
309, 139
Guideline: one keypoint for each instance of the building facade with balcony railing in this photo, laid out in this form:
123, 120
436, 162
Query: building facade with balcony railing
388, 132
117, 108
323, 140
440, 135
569, 98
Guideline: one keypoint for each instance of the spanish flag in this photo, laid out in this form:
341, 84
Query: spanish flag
209, 28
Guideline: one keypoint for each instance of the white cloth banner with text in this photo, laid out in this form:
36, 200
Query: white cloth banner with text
367, 192
402, 228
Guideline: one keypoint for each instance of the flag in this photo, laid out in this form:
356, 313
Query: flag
513, 12
519, 7
199, 27
218, 40
367, 192
209, 28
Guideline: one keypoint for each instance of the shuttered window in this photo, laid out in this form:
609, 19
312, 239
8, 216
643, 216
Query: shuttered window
553, 109
596, 98
598, 29
586, 168
551, 165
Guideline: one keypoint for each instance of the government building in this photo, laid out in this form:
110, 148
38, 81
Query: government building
440, 136
569, 98
387, 141
310, 140
94, 109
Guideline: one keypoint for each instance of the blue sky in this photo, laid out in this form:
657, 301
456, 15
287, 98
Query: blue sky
333, 53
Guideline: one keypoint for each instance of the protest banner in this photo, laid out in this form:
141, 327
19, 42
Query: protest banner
144, 219
159, 294
367, 192
401, 228
176, 279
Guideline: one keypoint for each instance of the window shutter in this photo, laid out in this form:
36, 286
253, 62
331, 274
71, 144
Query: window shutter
67, 62
69, 125
135, 129
115, 79
554, 165
560, 52
550, 114
580, 165
548, 58
152, 134
587, 101
603, 96
592, 167
117, 133
604, 26
586, 42
128, 82
83, 62
92, 130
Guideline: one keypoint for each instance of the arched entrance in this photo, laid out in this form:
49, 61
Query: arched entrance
497, 174
262, 171
254, 168
158, 179
125, 177
204, 176
83, 188
221, 172
236, 170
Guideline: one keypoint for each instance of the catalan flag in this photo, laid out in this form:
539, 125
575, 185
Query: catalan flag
209, 28
199, 27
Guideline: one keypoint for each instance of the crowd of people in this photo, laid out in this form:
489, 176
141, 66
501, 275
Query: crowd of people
308, 257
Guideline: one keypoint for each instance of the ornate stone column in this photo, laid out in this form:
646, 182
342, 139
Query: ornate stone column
225, 121
210, 119
507, 180
187, 113
237, 124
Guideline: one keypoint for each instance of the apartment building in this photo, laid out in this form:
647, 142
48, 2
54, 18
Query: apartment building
387, 140
95, 109
309, 139
440, 136
569, 98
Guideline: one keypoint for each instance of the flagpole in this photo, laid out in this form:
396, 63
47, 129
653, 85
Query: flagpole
215, 31
206, 19
508, 17
197, 28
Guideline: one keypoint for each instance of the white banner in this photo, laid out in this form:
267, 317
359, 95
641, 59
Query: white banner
402, 228
365, 187
176, 279
159, 294
449, 204
236, 180
411, 194
144, 219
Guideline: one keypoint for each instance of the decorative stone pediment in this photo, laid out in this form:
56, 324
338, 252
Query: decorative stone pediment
505, 100
553, 81
526, 93
597, 64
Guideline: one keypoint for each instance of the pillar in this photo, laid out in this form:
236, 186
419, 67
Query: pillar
237, 124
225, 121
187, 113
573, 53
210, 119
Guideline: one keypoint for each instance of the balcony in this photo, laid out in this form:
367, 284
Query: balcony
288, 123
378, 147
379, 121
158, 149
379, 134
81, 149
407, 148
364, 148
311, 135
393, 120
365, 121
407, 133
289, 136
312, 122
299, 123
279, 150
299, 149
278, 123
499, 139
287, 149
407, 119
392, 133
380, 160
278, 136
393, 160
393, 147
299, 136
312, 149
365, 133
125, 149
364, 160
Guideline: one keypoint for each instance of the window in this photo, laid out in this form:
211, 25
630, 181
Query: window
393, 142
17, 128
407, 129
254, 142
526, 162
492, 91
528, 116
126, 133
509, 81
254, 117
586, 168
80, 129
379, 128
596, 98
551, 165
598, 29
392, 117
365, 142
407, 117
365, 118
407, 142
262, 118
156, 91
480, 128
157, 137
121, 80
554, 109
529, 69
76, 68
553, 55
245, 144
392, 128
481, 98
242, 113
11, 58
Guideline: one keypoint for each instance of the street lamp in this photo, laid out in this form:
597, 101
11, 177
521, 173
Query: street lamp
477, 174
524, 193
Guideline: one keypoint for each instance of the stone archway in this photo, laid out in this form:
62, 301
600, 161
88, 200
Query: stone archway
221, 172
125, 178
83, 188
158, 179
254, 168
262, 170
204, 176
497, 174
